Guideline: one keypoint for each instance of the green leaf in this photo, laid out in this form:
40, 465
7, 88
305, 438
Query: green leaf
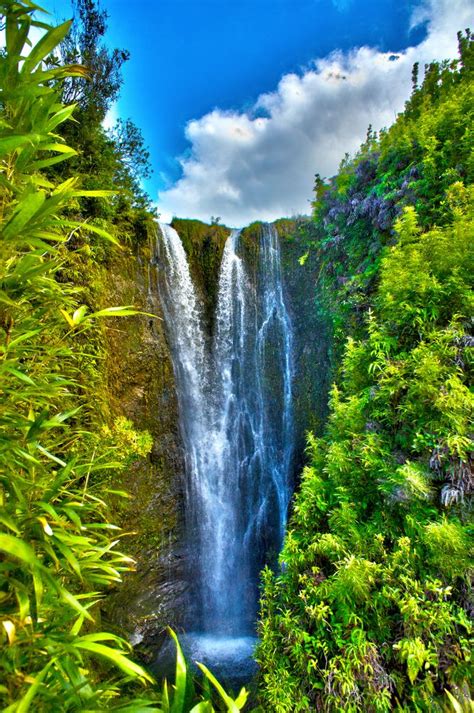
50, 455
18, 549
16, 35
138, 706
456, 706
79, 314
8, 522
10, 143
60, 148
45, 46
74, 225
24, 704
23, 337
77, 626
20, 375
202, 707
165, 698
232, 706
69, 556
73, 602
25, 211
116, 657
179, 696
115, 312
62, 115
44, 163
94, 194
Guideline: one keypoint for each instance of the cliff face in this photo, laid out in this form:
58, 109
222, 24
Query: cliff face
204, 245
311, 333
139, 383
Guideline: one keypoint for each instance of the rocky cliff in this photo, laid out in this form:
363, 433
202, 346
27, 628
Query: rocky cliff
139, 384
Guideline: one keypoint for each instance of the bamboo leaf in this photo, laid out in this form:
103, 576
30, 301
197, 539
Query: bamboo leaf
90, 228
16, 35
68, 319
60, 116
24, 704
77, 626
23, 337
14, 547
60, 148
116, 657
94, 194
20, 375
44, 163
179, 696
8, 522
73, 602
46, 45
232, 706
11, 143
202, 707
114, 312
10, 630
50, 455
69, 556
23, 214
79, 314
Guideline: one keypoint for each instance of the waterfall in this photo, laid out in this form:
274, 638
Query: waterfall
236, 416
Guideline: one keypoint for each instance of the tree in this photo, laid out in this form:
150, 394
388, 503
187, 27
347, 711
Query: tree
84, 45
133, 159
106, 159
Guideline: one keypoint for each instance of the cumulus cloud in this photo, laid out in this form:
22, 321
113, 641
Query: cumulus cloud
260, 163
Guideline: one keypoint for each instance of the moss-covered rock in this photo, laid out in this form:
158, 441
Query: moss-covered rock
312, 356
138, 383
311, 330
204, 245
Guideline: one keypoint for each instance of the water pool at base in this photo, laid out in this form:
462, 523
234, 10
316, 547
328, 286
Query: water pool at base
229, 658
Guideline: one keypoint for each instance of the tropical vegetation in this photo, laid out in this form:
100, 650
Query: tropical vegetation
372, 608
59, 550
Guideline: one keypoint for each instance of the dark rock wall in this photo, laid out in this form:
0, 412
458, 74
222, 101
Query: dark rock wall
140, 385
204, 245
312, 332
312, 344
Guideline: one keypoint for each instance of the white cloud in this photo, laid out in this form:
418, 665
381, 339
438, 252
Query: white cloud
260, 163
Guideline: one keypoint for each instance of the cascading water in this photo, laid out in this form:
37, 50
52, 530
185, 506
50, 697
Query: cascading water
236, 417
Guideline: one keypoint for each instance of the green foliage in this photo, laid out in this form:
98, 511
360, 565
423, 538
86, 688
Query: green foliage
182, 697
371, 609
118, 159
59, 552
84, 45
416, 162
58, 549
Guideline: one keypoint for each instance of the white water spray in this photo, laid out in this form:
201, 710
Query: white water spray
236, 417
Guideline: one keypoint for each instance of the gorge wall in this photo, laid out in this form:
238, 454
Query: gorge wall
140, 384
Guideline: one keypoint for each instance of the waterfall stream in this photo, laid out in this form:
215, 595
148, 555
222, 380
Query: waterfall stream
236, 417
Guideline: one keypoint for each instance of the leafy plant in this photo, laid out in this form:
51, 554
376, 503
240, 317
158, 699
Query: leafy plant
182, 695
58, 550
371, 609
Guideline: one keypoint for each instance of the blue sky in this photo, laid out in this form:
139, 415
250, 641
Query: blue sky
238, 86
